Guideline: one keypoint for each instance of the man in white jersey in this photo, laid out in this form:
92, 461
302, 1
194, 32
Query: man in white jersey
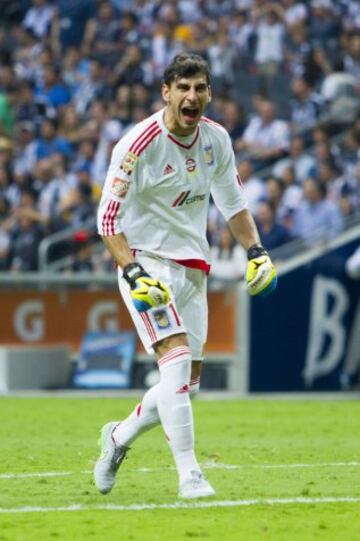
152, 218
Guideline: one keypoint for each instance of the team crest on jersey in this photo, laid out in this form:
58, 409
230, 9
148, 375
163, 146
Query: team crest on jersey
190, 165
209, 155
119, 187
128, 163
162, 319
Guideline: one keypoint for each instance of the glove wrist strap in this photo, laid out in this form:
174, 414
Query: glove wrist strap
256, 250
132, 272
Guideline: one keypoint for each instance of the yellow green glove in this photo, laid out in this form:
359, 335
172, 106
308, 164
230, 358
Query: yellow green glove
145, 292
261, 276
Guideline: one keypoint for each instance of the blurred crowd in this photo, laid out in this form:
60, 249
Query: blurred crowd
75, 75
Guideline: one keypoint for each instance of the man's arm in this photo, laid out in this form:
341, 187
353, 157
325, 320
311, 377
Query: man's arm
119, 248
244, 229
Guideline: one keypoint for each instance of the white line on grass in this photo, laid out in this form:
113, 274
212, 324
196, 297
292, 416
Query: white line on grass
206, 466
184, 505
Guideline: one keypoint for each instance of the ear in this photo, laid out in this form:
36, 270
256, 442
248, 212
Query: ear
210, 95
165, 92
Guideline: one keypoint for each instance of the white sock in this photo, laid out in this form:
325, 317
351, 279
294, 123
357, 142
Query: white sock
145, 415
174, 407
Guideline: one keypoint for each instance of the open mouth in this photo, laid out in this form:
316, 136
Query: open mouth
189, 114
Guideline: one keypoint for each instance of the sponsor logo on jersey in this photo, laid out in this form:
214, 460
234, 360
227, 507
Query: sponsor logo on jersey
168, 169
162, 319
119, 187
190, 165
184, 199
128, 163
209, 155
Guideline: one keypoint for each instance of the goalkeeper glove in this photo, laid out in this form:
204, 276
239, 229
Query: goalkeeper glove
145, 292
261, 276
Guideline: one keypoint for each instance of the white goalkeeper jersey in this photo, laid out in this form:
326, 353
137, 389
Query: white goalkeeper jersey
158, 187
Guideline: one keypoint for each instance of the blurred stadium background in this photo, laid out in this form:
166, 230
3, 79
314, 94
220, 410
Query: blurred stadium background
75, 75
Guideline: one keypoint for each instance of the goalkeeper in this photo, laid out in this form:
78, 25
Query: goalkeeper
152, 218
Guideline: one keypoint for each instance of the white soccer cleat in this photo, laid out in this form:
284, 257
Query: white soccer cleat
196, 486
110, 459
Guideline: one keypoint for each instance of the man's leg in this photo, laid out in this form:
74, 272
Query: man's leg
145, 415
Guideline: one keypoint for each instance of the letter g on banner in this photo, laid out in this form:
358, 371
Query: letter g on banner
29, 322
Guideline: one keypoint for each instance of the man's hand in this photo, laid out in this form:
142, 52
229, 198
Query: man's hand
261, 276
145, 292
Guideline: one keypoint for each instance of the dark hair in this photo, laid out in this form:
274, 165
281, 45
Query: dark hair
186, 65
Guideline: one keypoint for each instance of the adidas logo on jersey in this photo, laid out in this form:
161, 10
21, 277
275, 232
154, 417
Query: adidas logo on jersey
168, 169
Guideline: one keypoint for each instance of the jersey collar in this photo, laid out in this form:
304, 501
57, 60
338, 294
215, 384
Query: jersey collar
186, 142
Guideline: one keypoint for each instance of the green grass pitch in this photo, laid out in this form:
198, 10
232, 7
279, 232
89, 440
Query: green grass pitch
287, 458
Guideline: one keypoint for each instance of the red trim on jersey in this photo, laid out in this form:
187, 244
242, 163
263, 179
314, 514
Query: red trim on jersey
182, 144
239, 180
198, 264
212, 122
108, 221
149, 327
138, 408
148, 140
142, 135
177, 319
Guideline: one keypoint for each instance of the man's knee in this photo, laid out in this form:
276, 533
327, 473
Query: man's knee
167, 344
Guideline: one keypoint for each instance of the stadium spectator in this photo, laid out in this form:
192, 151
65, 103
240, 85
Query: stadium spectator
272, 234
306, 105
269, 33
38, 18
254, 188
26, 232
25, 156
324, 25
52, 89
31, 107
222, 56
130, 70
241, 33
101, 39
82, 257
49, 142
295, 13
303, 163
92, 87
266, 138
6, 114
232, 118
352, 56
228, 261
75, 69
69, 22
316, 218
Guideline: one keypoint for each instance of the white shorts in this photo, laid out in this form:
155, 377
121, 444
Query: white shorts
187, 311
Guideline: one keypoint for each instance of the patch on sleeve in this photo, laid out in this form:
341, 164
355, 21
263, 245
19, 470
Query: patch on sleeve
119, 187
128, 163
